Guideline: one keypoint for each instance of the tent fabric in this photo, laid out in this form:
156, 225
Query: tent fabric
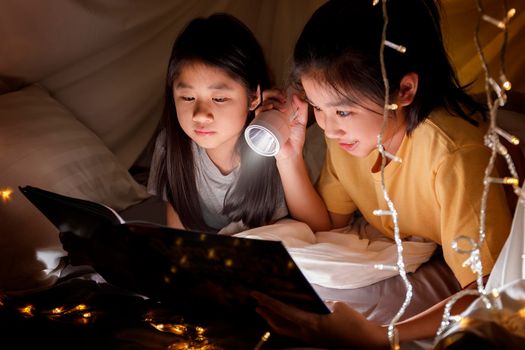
106, 61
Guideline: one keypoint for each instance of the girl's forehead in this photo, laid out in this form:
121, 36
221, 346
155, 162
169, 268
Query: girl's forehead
319, 89
199, 69
200, 73
323, 94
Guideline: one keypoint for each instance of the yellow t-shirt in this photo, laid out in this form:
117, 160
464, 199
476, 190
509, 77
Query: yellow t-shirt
436, 189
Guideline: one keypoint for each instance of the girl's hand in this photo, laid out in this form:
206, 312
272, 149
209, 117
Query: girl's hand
272, 99
297, 113
344, 327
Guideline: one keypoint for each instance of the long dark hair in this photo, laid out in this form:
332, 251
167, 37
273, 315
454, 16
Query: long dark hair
340, 45
220, 41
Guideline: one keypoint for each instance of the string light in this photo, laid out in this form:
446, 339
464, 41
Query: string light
192, 336
491, 141
499, 24
502, 97
511, 138
263, 340
386, 267
392, 331
505, 180
505, 82
399, 48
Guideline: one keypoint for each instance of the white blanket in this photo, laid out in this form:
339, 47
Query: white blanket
343, 258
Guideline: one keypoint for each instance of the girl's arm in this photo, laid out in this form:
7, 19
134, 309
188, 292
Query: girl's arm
425, 324
303, 201
172, 218
344, 327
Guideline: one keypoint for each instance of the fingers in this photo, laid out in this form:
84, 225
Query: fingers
299, 105
330, 304
285, 311
274, 94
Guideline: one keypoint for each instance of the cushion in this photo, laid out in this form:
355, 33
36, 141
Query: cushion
42, 144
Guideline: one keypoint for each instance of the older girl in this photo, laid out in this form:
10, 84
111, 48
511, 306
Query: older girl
437, 131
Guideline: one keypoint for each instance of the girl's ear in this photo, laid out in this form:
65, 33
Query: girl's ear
407, 89
255, 99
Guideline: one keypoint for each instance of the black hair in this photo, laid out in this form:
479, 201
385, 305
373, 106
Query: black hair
340, 44
221, 41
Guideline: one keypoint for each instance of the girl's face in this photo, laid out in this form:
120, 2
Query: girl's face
211, 106
354, 127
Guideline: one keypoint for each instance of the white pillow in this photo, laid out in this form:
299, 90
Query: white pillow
42, 144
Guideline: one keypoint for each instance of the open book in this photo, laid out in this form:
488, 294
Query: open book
193, 271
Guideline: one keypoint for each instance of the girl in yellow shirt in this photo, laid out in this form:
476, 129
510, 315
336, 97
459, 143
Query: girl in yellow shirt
437, 131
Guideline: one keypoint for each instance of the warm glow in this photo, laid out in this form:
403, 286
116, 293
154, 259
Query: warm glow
6, 194
263, 340
511, 13
27, 310
505, 181
393, 107
499, 24
510, 181
177, 329
80, 307
57, 310
507, 85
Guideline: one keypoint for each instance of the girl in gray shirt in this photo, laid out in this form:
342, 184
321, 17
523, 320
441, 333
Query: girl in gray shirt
201, 165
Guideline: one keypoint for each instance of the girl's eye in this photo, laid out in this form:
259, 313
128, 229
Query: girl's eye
316, 108
343, 113
220, 99
187, 98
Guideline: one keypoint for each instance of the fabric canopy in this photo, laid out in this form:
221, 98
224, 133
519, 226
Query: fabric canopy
106, 61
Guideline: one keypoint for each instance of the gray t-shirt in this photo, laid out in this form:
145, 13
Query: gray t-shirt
212, 187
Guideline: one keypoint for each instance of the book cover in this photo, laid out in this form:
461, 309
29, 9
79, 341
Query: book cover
193, 271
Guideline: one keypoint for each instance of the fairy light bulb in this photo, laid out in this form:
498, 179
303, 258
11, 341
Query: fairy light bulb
398, 48
511, 138
505, 83
492, 20
6, 194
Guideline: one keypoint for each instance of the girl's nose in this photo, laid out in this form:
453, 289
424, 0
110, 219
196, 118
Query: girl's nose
202, 113
332, 129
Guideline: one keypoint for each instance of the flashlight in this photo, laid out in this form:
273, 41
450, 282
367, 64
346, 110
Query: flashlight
268, 132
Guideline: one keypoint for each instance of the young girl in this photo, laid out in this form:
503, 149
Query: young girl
436, 131
201, 164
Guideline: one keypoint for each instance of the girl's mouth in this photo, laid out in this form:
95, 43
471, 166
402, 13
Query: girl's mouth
203, 132
349, 146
